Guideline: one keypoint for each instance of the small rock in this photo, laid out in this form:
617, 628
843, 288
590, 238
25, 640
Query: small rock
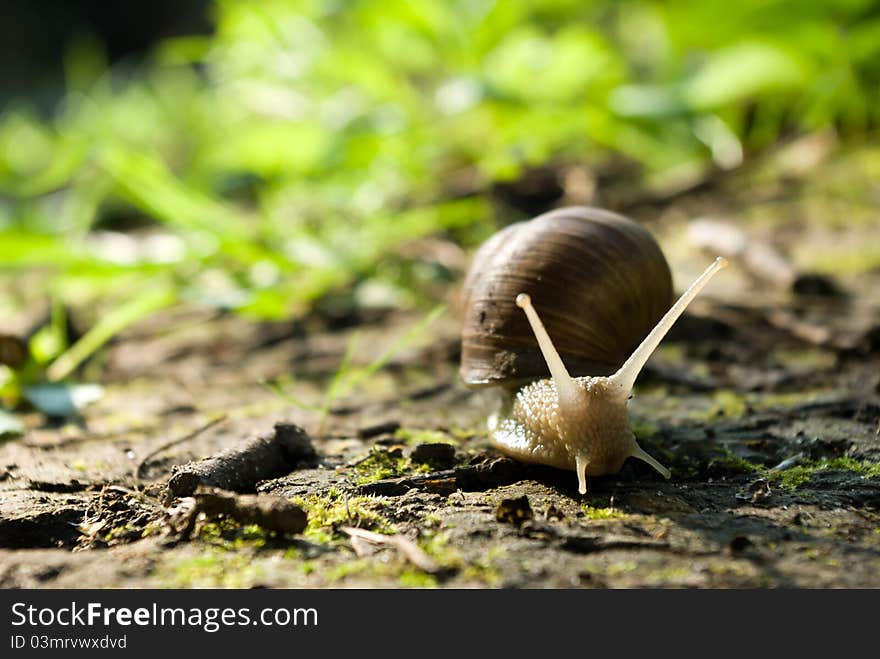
812, 284
387, 428
514, 511
437, 455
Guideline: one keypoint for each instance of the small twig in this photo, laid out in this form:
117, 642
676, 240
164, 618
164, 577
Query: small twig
470, 478
273, 513
759, 258
143, 497
139, 472
806, 332
240, 468
407, 548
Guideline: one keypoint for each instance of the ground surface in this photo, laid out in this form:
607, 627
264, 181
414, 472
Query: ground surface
764, 402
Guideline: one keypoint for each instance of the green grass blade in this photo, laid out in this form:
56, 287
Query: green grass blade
106, 328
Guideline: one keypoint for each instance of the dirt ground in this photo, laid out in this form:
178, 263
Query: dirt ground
764, 401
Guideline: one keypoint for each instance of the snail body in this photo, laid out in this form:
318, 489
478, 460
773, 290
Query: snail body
575, 423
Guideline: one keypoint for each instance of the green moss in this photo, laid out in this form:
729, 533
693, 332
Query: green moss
728, 403
485, 569
672, 352
731, 463
787, 399
413, 436
423, 468
728, 567
867, 468
350, 568
152, 528
438, 547
669, 574
411, 578
464, 434
852, 259
121, 531
643, 429
379, 465
431, 521
216, 569
404, 574
725, 403
795, 477
811, 359
327, 513
621, 567
228, 534
591, 512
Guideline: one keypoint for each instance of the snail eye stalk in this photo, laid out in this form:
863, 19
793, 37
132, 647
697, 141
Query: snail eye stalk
566, 388
625, 378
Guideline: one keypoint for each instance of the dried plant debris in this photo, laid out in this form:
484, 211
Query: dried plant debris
488, 472
240, 469
407, 548
272, 513
118, 515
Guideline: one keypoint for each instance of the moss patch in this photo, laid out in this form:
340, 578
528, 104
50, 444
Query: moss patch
229, 534
404, 575
727, 403
591, 512
485, 568
379, 465
728, 462
438, 547
643, 429
795, 477
412, 578
787, 399
413, 436
805, 359
335, 509
216, 569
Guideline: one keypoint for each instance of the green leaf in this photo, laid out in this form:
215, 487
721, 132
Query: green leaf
741, 72
147, 183
50, 340
106, 328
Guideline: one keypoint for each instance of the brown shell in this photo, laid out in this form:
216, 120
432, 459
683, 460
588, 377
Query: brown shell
598, 280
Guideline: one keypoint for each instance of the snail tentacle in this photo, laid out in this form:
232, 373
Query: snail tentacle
566, 387
581, 470
641, 454
625, 378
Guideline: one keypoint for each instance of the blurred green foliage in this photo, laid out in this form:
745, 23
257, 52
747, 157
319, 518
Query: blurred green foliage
292, 154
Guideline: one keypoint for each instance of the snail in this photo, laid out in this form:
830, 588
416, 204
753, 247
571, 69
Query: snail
604, 289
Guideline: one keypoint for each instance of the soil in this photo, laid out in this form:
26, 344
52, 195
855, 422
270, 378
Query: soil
764, 401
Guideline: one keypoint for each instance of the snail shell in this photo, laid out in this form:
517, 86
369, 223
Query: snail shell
599, 281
